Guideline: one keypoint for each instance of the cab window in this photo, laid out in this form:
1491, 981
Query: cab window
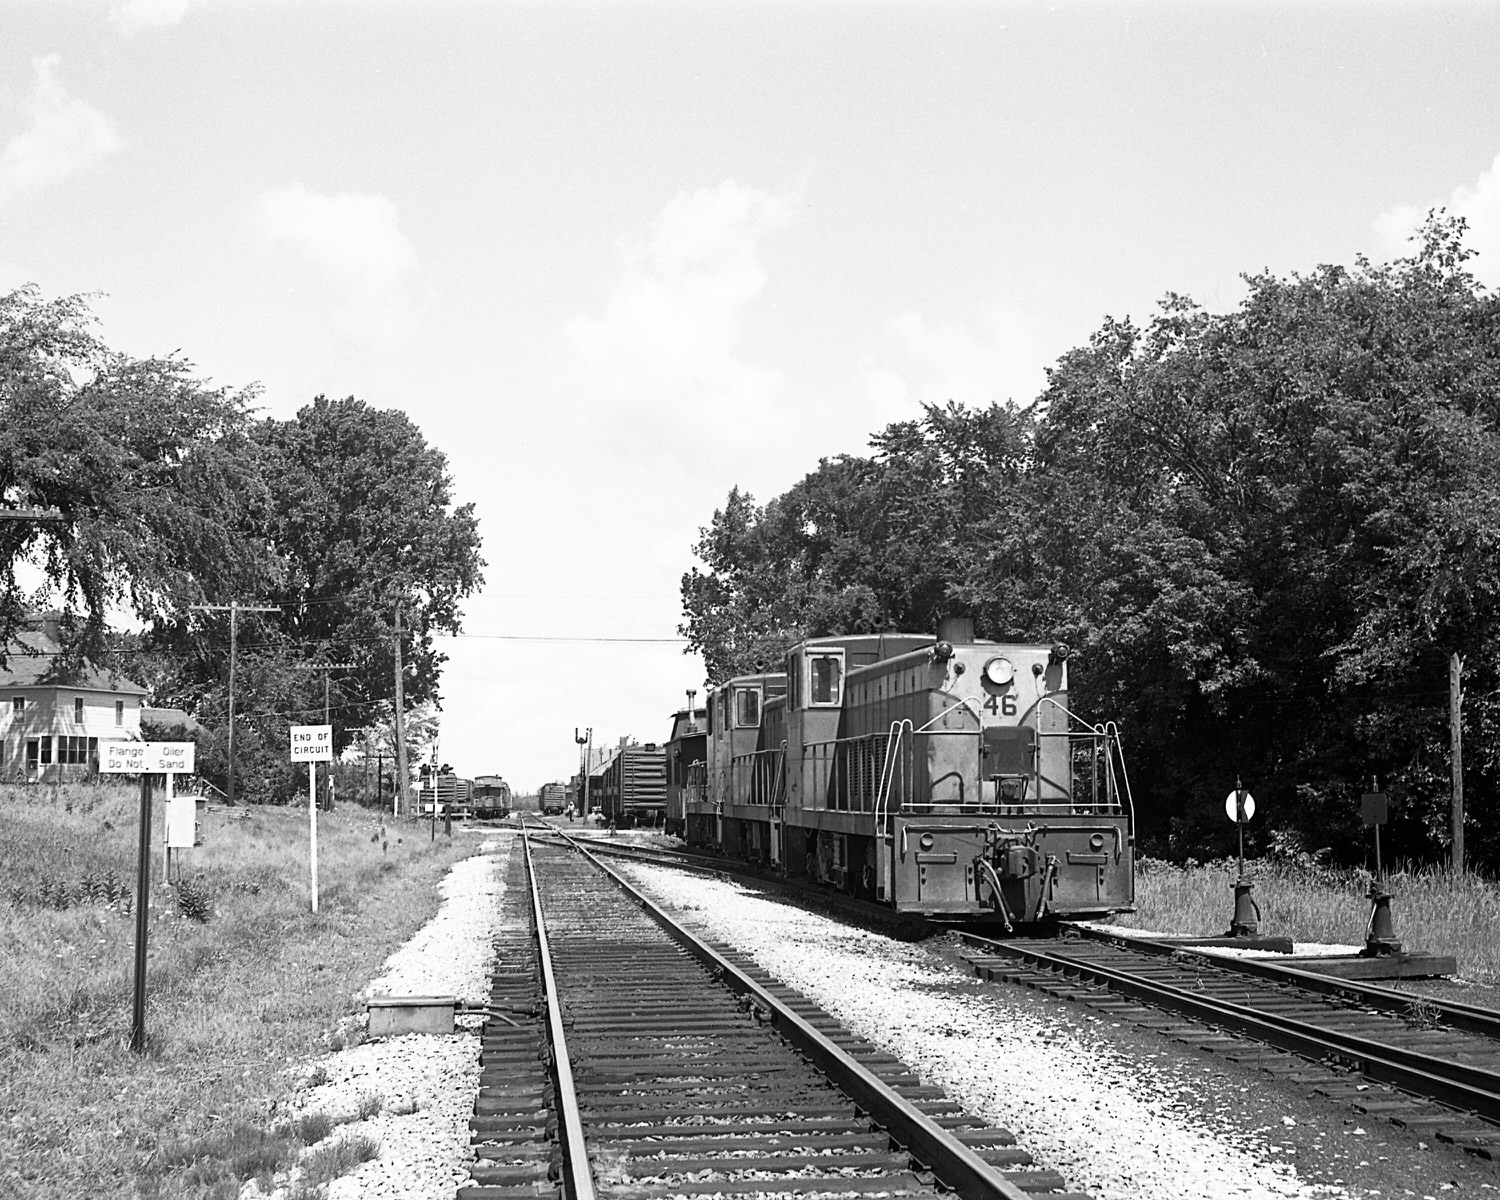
825, 680
747, 708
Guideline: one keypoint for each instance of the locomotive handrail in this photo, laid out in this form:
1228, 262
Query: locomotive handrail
893, 748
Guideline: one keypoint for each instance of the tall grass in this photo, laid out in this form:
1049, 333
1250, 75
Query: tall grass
1434, 910
247, 982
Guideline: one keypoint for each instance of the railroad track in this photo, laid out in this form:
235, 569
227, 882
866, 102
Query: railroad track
632, 1059
1435, 1067
1428, 1065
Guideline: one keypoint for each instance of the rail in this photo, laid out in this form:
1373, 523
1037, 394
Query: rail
1418, 1072
580, 1178
953, 1162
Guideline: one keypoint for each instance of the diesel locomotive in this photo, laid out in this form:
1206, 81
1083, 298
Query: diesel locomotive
940, 775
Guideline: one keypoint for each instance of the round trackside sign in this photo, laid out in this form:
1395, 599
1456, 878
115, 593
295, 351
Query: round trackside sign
1230, 805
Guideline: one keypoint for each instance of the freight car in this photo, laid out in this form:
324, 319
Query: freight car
552, 799
686, 751
453, 794
491, 798
631, 788
942, 775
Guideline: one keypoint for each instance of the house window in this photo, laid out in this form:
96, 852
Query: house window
119, 714
72, 749
78, 710
45, 745
18, 705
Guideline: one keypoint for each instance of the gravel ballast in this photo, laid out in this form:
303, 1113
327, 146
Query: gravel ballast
420, 1087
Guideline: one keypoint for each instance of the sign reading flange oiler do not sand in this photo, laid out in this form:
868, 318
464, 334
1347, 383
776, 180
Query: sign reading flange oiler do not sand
312, 744
146, 758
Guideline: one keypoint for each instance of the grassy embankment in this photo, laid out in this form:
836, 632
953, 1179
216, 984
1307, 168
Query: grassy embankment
1433, 910
231, 1001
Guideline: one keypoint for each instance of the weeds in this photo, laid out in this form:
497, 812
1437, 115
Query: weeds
229, 1003
328, 1161
312, 1127
1303, 898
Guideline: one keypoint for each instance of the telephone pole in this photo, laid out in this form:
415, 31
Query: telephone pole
233, 608
1456, 745
403, 782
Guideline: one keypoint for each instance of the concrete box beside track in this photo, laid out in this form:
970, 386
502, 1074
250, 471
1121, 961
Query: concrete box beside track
391, 1016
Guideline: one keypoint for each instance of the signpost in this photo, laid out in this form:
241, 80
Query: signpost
1239, 807
144, 759
312, 744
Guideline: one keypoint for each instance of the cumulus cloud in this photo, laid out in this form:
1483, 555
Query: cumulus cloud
355, 243
63, 136
669, 334
1479, 205
992, 356
134, 15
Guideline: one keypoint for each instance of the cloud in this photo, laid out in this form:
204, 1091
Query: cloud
63, 136
135, 15
1479, 205
353, 240
669, 334
992, 356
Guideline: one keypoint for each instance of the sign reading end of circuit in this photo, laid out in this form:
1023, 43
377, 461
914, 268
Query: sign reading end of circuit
312, 743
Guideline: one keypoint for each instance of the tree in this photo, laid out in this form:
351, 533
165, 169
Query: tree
364, 522
149, 469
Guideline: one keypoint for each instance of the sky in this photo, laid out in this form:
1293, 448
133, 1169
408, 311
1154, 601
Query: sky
615, 259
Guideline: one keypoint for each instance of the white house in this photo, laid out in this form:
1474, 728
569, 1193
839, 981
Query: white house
52, 719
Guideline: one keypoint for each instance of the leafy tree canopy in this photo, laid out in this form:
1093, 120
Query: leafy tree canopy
149, 471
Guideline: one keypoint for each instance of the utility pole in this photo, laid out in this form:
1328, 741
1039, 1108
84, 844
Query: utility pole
403, 783
1456, 740
233, 608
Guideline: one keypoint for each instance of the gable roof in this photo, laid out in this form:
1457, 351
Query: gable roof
32, 659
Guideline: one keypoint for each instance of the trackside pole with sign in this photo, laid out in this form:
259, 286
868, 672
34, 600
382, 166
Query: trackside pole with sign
1239, 807
312, 744
1380, 936
145, 759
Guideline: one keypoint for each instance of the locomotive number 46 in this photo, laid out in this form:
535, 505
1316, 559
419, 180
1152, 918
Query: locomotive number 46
1001, 705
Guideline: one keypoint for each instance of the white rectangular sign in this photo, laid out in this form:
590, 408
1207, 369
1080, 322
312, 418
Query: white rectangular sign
182, 823
146, 758
312, 743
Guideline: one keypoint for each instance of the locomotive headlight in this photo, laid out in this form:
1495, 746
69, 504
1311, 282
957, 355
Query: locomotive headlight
999, 671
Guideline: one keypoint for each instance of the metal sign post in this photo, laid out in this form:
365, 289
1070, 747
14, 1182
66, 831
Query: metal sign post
144, 759
1239, 807
312, 744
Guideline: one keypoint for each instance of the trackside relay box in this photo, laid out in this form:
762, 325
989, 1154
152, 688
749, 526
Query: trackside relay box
391, 1016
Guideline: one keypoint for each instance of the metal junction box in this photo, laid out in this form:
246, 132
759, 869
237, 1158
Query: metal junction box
391, 1016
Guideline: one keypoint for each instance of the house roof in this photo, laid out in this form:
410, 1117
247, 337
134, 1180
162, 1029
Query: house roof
33, 659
